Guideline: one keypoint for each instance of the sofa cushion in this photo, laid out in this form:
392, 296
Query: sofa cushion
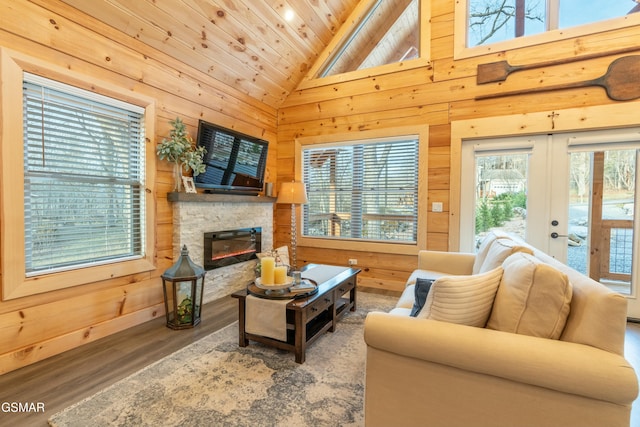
533, 298
500, 250
421, 289
400, 311
465, 300
407, 298
424, 274
481, 254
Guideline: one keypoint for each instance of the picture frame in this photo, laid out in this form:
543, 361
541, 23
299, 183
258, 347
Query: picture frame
189, 186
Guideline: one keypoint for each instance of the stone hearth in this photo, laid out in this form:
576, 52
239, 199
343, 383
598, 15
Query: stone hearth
196, 214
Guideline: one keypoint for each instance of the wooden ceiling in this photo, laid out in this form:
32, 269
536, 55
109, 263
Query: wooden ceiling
246, 44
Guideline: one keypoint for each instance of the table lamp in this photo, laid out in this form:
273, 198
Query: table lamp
293, 193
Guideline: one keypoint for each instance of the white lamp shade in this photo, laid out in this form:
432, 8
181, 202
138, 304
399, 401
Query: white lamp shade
293, 192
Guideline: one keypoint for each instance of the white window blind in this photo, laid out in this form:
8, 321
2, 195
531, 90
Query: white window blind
365, 191
83, 177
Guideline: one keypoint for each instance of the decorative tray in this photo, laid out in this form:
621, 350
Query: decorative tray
275, 288
288, 292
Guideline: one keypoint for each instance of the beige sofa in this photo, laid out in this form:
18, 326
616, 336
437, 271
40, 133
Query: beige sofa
427, 372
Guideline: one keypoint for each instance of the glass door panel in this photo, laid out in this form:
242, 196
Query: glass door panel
601, 216
501, 194
570, 195
579, 200
496, 189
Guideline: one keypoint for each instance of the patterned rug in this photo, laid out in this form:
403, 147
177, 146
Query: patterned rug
213, 382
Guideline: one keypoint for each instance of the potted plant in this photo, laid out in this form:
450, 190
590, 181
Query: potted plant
181, 150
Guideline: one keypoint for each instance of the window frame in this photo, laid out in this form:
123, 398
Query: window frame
15, 283
461, 51
600, 117
43, 94
328, 242
311, 78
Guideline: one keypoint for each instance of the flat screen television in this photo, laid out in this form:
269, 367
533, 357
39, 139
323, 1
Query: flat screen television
236, 163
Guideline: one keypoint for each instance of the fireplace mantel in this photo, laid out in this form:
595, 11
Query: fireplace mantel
217, 198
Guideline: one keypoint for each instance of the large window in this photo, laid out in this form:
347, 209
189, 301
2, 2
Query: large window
491, 21
362, 191
77, 170
83, 178
388, 32
379, 37
489, 26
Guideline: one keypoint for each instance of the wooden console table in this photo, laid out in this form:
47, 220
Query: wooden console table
307, 318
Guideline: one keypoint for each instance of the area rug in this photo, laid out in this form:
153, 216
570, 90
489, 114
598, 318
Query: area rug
214, 382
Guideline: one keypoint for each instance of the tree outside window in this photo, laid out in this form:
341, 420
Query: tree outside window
491, 21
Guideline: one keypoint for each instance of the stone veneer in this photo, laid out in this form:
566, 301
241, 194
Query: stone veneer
196, 214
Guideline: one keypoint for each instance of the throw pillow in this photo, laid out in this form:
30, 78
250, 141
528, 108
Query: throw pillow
483, 249
466, 300
500, 250
421, 289
533, 298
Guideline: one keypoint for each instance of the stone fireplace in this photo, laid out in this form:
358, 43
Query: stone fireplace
197, 214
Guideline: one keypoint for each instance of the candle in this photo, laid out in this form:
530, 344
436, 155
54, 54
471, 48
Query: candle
267, 267
280, 274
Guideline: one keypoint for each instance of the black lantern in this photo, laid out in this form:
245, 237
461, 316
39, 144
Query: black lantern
183, 285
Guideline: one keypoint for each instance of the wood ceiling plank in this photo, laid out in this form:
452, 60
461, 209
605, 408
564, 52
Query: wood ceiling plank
133, 26
304, 29
164, 72
288, 33
171, 31
244, 44
270, 28
341, 8
312, 17
330, 16
274, 58
237, 22
219, 26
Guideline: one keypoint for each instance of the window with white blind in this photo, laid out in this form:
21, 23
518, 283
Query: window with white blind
362, 191
83, 178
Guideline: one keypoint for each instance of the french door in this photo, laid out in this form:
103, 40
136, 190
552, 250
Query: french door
570, 195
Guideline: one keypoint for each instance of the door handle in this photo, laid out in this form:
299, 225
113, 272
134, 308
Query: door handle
555, 235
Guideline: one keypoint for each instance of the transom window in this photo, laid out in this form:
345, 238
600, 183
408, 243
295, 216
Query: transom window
491, 21
378, 37
366, 190
388, 32
83, 178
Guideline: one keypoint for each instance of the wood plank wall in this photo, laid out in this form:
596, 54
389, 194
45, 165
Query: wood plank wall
33, 328
436, 95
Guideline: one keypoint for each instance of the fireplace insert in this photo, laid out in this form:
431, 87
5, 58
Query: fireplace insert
223, 248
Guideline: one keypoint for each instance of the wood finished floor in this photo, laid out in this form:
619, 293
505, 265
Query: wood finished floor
65, 379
